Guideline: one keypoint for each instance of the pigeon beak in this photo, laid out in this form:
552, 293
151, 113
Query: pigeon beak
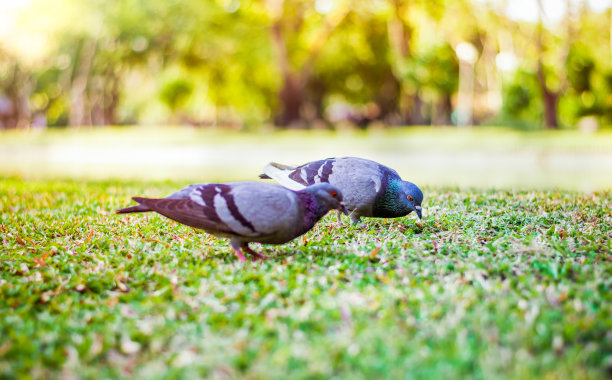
418, 211
343, 209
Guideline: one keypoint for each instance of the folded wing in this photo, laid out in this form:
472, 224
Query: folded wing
299, 177
187, 212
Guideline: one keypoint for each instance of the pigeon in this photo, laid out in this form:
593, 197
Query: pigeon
369, 188
246, 212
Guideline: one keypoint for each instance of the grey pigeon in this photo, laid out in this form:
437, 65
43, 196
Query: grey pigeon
369, 188
246, 212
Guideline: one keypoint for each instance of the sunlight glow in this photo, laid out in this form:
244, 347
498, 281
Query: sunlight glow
599, 5
13, 4
554, 10
466, 52
324, 6
506, 61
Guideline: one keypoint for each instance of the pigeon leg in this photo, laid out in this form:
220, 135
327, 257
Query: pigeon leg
254, 255
237, 248
356, 219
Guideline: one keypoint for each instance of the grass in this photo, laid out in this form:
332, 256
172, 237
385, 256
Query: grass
493, 284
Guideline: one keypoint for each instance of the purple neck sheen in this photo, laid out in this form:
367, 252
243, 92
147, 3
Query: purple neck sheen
312, 209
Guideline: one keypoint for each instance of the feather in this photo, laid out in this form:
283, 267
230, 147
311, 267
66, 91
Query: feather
185, 211
132, 209
281, 175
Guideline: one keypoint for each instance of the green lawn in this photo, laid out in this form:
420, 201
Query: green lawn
493, 284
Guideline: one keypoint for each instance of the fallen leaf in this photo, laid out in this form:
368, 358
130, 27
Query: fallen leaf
41, 261
88, 238
374, 252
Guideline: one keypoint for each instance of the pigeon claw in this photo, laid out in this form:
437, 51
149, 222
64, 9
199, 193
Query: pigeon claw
240, 255
254, 255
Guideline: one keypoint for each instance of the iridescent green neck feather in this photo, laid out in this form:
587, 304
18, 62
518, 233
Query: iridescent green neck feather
391, 203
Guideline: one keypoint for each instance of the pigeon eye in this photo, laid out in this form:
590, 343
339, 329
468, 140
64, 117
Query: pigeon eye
410, 198
334, 194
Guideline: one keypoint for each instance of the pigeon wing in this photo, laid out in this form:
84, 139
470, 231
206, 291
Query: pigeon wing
188, 212
299, 177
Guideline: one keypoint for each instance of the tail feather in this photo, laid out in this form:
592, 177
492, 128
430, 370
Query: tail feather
280, 173
137, 208
274, 165
281, 166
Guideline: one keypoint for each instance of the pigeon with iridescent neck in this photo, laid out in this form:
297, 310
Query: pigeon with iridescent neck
246, 212
369, 188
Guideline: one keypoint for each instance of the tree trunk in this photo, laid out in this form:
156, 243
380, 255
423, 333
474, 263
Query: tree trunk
415, 114
386, 99
111, 100
80, 110
292, 96
18, 92
550, 100
442, 115
400, 32
549, 97
291, 100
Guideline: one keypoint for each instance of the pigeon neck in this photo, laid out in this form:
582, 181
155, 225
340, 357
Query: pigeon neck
313, 210
390, 203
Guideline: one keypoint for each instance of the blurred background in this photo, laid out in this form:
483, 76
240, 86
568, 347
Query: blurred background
364, 70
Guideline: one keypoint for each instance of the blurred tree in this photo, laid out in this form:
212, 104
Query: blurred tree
607, 96
353, 67
552, 80
550, 95
441, 78
176, 93
298, 62
401, 34
16, 83
520, 96
299, 30
579, 67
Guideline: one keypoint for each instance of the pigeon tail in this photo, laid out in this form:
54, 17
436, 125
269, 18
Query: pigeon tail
137, 208
275, 165
281, 166
280, 173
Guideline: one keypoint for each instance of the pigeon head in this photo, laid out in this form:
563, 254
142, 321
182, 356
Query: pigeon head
327, 196
399, 198
412, 197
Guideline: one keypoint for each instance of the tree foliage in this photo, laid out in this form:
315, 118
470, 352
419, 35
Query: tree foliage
302, 63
